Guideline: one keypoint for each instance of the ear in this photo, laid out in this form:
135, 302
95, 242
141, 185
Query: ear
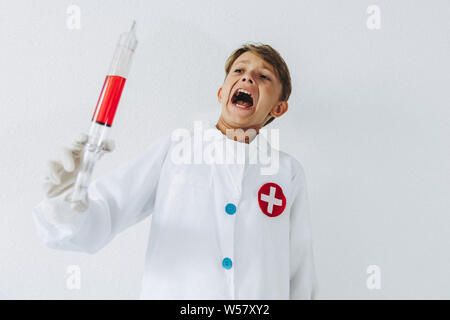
219, 97
279, 109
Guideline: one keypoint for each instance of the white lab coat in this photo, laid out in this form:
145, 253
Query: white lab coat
191, 232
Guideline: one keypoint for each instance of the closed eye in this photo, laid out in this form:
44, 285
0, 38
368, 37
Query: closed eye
261, 76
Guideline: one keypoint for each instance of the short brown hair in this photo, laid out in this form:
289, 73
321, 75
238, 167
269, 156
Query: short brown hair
271, 56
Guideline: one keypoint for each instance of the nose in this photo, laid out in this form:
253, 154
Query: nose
247, 78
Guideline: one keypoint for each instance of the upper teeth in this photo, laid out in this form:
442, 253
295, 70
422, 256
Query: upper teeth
245, 91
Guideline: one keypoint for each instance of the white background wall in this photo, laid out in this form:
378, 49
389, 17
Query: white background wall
368, 118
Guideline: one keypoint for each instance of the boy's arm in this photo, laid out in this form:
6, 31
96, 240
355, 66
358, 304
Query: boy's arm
303, 281
121, 198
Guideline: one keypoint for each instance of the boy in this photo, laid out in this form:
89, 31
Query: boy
219, 230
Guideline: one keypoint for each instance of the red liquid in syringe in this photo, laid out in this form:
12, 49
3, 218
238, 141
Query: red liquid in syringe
108, 100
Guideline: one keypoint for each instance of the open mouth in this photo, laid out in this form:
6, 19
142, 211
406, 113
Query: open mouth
242, 98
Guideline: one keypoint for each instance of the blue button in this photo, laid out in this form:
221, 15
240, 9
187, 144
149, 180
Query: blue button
226, 263
230, 208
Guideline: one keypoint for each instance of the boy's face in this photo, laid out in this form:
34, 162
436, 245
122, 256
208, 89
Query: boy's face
251, 73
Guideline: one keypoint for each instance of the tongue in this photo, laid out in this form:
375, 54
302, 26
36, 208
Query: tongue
243, 103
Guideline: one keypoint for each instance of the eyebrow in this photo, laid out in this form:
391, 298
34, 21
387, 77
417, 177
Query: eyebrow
246, 61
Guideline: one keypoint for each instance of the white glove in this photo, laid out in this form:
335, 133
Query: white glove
59, 179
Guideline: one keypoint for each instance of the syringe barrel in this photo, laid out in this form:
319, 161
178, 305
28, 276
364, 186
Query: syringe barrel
121, 62
103, 117
109, 100
115, 80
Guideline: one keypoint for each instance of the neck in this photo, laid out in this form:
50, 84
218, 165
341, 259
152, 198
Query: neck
245, 135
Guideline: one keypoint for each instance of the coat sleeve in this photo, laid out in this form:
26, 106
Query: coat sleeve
303, 280
121, 198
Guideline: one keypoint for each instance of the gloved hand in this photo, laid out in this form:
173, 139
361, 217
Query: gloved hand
61, 174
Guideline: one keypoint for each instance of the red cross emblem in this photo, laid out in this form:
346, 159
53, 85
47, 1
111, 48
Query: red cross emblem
271, 199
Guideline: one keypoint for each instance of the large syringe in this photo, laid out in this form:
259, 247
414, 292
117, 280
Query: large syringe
103, 116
